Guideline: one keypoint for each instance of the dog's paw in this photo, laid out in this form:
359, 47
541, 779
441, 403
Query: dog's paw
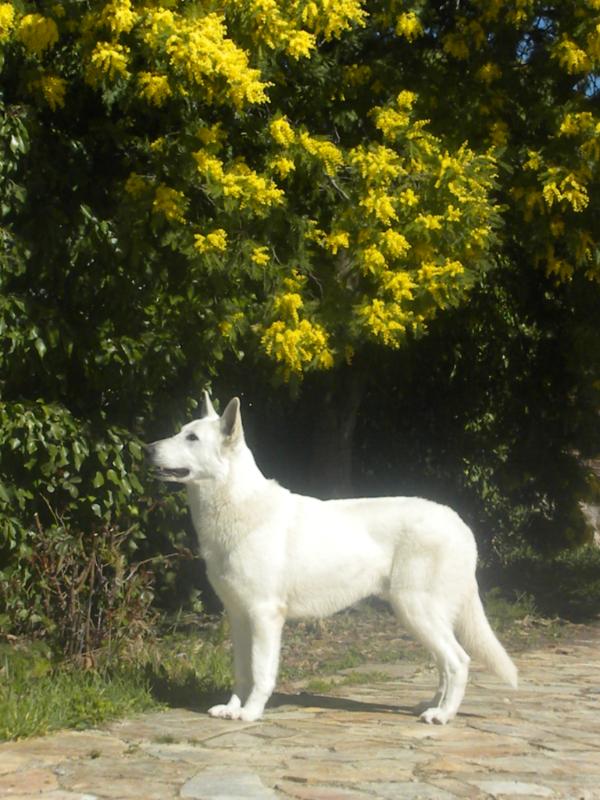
435, 716
225, 712
425, 705
250, 715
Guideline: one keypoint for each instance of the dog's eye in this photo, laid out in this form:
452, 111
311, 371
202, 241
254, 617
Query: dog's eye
191, 437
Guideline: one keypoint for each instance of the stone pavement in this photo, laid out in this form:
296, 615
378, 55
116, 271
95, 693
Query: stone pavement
542, 741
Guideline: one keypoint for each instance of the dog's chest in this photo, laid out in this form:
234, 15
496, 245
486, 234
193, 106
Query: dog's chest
234, 575
222, 573
242, 544
221, 559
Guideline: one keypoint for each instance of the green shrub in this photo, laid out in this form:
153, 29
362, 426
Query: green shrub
79, 590
52, 463
74, 517
566, 584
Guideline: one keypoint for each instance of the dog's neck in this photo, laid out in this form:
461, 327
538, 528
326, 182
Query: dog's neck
222, 507
242, 480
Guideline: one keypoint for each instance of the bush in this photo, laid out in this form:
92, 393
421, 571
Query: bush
80, 591
74, 515
53, 463
566, 584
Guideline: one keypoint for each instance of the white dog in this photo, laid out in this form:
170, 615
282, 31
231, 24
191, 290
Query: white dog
273, 555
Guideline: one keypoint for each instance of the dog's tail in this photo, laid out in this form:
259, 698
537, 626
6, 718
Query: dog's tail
475, 634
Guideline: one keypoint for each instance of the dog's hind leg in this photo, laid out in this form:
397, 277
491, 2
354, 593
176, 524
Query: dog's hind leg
439, 695
424, 617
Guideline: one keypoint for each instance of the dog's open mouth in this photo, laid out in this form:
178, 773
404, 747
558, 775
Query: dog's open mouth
171, 474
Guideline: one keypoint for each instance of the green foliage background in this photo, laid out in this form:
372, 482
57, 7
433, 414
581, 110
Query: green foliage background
478, 387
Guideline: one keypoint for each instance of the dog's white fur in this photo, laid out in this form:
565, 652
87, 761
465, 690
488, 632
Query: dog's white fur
272, 555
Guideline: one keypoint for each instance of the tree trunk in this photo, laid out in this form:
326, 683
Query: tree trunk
333, 436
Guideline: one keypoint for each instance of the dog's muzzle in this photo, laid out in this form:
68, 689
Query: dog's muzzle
159, 470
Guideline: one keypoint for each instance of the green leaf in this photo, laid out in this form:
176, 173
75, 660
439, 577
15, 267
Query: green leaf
4, 493
135, 449
40, 346
113, 477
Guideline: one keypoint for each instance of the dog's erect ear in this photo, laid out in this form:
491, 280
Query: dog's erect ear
206, 407
231, 421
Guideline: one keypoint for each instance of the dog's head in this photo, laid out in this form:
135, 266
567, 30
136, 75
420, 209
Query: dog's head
202, 449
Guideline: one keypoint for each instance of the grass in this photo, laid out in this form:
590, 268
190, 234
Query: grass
187, 665
323, 686
516, 619
503, 612
39, 694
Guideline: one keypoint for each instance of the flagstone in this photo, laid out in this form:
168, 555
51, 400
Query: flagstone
357, 743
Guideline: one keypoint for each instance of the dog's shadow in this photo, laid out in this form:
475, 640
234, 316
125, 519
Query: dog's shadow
323, 702
201, 702
193, 697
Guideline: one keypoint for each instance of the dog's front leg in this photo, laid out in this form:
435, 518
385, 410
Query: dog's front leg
266, 623
242, 666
